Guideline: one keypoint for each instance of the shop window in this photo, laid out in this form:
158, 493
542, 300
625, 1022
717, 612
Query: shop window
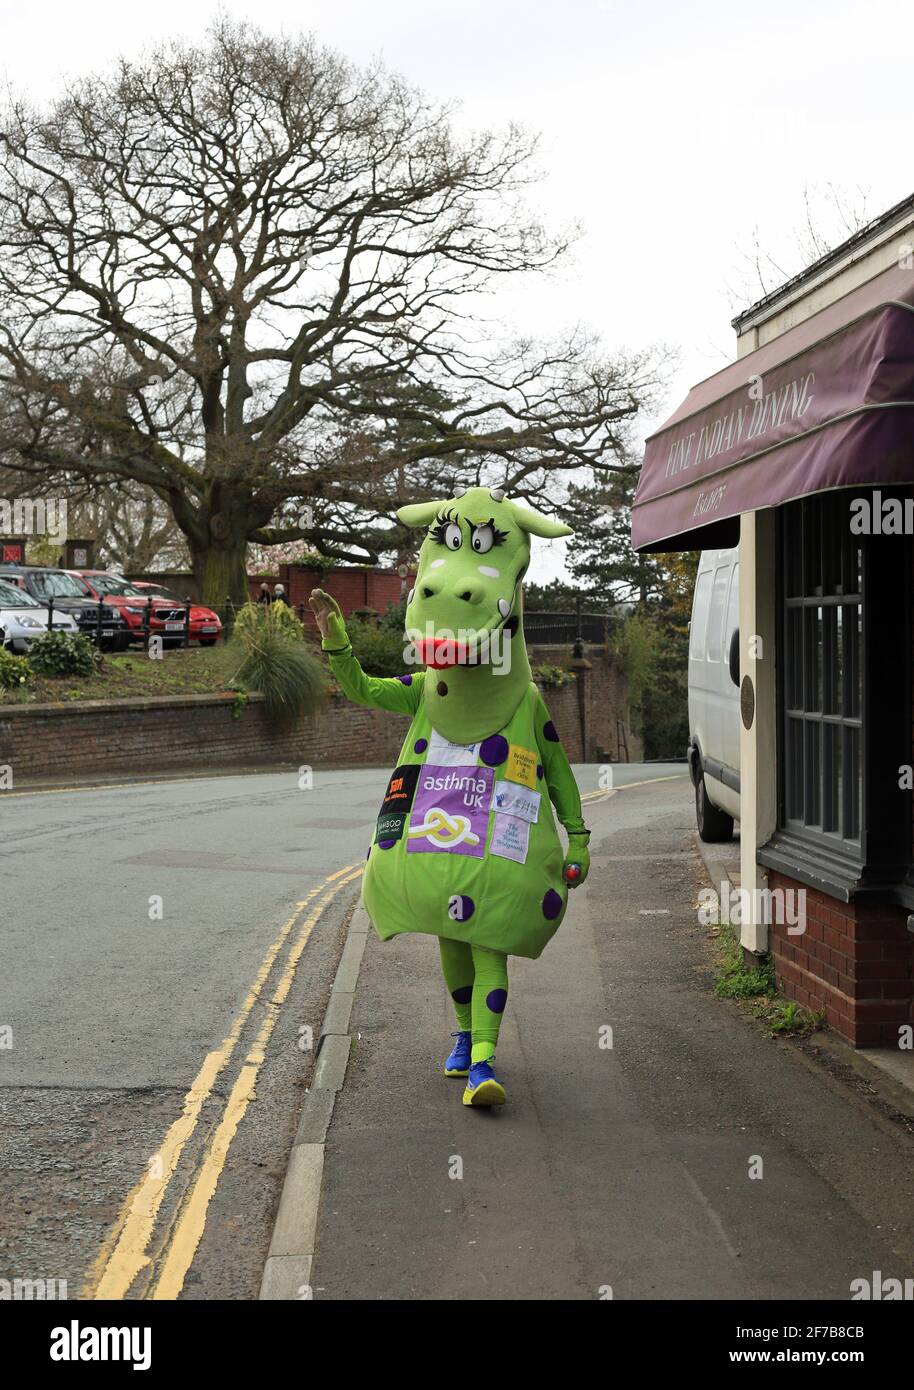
844, 650
822, 700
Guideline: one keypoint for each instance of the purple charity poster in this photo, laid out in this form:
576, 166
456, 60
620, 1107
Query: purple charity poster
451, 810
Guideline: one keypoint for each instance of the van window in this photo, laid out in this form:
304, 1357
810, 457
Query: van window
716, 611
732, 611
699, 615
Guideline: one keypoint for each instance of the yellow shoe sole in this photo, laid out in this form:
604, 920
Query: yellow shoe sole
465, 1072
486, 1093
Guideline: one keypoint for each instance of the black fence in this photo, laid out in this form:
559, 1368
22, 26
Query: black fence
176, 629
558, 629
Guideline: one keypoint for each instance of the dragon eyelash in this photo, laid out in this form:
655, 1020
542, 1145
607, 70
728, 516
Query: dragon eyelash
442, 522
499, 537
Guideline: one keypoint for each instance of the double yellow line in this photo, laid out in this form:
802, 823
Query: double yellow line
124, 1254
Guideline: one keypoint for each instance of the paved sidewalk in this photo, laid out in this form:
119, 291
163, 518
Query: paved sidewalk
625, 1168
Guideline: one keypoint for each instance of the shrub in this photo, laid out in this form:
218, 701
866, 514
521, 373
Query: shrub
62, 654
393, 619
259, 618
15, 671
276, 662
552, 677
379, 650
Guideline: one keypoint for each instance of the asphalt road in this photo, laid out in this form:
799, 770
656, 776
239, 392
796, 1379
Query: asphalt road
695, 1158
168, 946
152, 1089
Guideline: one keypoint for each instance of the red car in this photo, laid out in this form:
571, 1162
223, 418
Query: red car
166, 620
205, 625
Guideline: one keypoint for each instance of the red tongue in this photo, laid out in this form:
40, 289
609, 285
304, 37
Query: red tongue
440, 652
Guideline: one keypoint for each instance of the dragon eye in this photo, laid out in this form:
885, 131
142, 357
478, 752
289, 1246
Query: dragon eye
446, 531
485, 535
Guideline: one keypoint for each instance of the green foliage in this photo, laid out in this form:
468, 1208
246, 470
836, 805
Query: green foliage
380, 651
322, 564
239, 704
257, 619
63, 654
791, 1019
732, 980
635, 648
551, 677
393, 619
276, 662
556, 597
15, 671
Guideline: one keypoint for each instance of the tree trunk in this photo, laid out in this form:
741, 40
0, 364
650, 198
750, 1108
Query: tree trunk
221, 574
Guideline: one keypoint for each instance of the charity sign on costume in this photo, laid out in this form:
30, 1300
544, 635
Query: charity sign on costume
451, 809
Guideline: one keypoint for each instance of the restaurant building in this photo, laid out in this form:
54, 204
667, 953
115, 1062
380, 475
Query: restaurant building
802, 453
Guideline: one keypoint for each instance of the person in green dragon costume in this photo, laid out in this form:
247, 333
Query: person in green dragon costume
466, 846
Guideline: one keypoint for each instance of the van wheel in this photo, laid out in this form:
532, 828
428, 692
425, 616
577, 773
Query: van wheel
714, 825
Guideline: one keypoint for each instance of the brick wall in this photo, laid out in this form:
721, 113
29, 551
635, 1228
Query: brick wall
98, 738
186, 732
854, 963
352, 588
562, 703
602, 691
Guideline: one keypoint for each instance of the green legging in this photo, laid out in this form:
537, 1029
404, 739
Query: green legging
477, 979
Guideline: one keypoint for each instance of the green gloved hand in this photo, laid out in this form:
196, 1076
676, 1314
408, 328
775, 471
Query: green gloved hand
330, 621
578, 853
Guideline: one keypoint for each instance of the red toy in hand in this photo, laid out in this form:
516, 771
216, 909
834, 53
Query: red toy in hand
571, 873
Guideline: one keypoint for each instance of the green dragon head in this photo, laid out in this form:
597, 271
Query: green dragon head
465, 612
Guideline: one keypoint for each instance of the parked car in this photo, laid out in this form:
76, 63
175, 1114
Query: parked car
62, 590
165, 619
713, 750
205, 625
23, 619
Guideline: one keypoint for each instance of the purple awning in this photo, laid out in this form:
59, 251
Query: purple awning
830, 403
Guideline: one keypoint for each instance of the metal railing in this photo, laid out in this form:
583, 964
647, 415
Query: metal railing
556, 629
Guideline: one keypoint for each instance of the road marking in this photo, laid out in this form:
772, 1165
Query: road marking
122, 1254
119, 786
188, 1229
673, 777
611, 791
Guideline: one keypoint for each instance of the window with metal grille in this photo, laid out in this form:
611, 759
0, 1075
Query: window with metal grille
823, 654
844, 699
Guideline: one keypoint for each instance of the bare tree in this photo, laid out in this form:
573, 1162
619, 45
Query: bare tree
830, 215
132, 527
246, 275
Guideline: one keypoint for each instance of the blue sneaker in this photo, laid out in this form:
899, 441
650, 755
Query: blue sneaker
483, 1087
458, 1064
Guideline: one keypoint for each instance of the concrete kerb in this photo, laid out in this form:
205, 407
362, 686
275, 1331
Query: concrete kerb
287, 1272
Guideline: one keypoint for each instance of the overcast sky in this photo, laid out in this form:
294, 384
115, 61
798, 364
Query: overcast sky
671, 130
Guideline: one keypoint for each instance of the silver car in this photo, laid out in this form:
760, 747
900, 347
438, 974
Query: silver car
23, 618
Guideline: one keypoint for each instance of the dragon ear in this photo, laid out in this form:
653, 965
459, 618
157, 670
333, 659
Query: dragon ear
536, 525
419, 513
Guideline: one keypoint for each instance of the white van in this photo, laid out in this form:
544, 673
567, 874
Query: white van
713, 750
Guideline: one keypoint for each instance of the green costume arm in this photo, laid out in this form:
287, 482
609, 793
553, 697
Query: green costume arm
563, 789
379, 692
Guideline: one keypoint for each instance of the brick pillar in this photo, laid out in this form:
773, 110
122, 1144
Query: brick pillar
582, 669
